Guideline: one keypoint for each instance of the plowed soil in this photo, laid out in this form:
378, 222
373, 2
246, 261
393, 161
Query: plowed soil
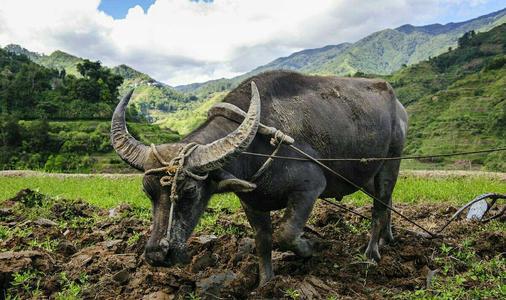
102, 252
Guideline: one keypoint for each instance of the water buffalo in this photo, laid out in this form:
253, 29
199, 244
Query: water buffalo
327, 117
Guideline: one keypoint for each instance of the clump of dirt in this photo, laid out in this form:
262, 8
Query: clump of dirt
73, 244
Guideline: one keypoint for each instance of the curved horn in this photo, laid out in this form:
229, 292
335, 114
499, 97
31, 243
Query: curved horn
214, 155
128, 148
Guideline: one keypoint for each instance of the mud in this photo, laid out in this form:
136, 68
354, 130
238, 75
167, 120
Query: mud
102, 252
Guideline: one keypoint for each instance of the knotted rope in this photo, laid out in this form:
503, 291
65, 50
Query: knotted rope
277, 140
174, 171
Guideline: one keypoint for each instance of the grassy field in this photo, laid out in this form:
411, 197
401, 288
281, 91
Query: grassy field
108, 192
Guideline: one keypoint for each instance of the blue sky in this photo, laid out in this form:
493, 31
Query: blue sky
469, 10
119, 8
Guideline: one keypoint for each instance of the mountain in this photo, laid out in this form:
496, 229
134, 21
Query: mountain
57, 60
298, 61
305, 59
152, 98
457, 100
55, 121
382, 52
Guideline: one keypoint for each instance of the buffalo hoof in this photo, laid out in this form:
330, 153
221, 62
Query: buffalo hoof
163, 256
303, 247
156, 257
300, 246
265, 278
387, 240
372, 252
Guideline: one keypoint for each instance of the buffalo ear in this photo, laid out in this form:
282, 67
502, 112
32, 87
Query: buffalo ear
235, 185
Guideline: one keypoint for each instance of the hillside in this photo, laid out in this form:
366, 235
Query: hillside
54, 121
382, 52
457, 101
58, 60
151, 98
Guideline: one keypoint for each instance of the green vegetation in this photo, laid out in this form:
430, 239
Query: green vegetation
68, 146
456, 101
53, 121
103, 192
184, 121
462, 274
24, 279
58, 60
108, 192
71, 289
151, 98
30, 91
292, 294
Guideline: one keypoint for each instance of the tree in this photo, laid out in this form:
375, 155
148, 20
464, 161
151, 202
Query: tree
89, 69
10, 131
464, 40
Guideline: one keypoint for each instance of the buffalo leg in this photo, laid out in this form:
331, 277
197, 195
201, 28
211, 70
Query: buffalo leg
384, 183
288, 236
261, 223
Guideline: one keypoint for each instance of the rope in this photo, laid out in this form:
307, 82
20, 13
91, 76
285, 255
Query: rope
362, 190
174, 171
279, 137
431, 234
365, 160
346, 209
277, 140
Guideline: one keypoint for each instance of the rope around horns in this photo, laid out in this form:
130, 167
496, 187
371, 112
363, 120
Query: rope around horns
174, 171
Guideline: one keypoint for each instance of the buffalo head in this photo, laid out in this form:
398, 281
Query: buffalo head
193, 194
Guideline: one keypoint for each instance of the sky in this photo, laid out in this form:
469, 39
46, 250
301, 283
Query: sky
185, 41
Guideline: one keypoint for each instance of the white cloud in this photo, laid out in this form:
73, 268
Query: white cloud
180, 41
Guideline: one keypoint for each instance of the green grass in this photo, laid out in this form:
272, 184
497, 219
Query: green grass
451, 190
99, 191
109, 192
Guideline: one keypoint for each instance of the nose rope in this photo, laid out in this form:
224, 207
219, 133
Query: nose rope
174, 171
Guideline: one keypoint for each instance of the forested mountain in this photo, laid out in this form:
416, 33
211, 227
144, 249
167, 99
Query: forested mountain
56, 121
457, 100
58, 60
31, 91
379, 53
152, 98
